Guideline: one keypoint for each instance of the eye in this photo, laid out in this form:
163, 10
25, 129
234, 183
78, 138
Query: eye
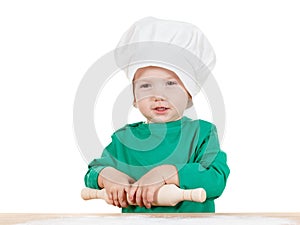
171, 83
145, 85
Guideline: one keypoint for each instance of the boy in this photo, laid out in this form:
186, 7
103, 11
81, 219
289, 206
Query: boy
169, 148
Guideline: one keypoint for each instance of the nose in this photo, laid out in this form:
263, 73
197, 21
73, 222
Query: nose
158, 93
158, 98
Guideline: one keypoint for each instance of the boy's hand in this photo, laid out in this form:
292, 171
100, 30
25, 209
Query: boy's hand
116, 185
142, 192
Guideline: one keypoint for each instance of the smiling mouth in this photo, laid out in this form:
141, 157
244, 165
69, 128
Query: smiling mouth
160, 109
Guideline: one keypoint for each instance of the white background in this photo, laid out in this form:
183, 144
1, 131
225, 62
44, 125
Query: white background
46, 48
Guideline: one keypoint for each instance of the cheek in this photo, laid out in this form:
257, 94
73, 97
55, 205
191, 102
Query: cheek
142, 95
142, 104
178, 98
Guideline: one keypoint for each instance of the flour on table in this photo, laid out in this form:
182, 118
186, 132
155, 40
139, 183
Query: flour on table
149, 220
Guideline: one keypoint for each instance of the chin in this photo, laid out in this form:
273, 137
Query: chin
160, 119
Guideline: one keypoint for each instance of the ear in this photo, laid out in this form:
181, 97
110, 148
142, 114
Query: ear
190, 103
134, 100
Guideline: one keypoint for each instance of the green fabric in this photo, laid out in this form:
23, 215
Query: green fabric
190, 145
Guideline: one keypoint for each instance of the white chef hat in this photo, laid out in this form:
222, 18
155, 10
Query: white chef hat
176, 46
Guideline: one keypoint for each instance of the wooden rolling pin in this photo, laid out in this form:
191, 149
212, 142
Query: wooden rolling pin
167, 195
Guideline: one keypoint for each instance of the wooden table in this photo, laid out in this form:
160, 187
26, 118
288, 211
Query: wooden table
14, 218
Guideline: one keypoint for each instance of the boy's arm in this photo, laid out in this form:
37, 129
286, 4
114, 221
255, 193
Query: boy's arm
142, 191
102, 173
116, 184
209, 168
212, 179
96, 166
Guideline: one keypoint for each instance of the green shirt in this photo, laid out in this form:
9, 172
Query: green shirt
190, 145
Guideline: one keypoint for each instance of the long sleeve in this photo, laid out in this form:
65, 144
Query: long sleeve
191, 145
95, 167
207, 168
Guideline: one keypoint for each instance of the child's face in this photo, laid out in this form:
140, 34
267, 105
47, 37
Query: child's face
159, 94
